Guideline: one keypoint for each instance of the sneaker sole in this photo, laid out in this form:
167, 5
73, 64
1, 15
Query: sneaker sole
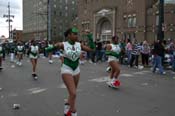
109, 85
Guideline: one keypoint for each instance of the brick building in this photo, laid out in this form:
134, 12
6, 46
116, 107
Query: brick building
125, 18
39, 21
17, 35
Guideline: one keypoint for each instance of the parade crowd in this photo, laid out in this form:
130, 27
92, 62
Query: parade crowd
133, 53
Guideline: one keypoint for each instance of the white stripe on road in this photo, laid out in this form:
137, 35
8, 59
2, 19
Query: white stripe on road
12, 94
36, 90
127, 75
141, 72
62, 86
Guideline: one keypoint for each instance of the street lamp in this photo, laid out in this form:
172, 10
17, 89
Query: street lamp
160, 34
49, 20
9, 16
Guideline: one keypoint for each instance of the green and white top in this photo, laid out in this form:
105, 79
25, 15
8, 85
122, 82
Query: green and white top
34, 51
71, 54
20, 49
116, 48
115, 51
50, 47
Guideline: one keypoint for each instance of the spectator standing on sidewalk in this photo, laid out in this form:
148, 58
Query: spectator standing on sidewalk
135, 54
145, 52
98, 53
171, 51
128, 50
158, 52
91, 45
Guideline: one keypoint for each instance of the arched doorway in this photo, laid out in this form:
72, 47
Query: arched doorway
104, 29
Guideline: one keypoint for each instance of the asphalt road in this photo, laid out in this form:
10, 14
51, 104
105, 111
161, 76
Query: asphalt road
142, 93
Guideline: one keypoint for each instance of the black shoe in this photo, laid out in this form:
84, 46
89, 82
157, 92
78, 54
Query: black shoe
35, 77
1, 68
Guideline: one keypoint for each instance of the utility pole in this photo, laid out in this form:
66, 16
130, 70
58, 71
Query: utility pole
160, 34
9, 16
49, 20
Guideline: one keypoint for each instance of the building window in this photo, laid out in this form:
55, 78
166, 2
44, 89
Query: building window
73, 2
66, 7
130, 22
55, 5
85, 11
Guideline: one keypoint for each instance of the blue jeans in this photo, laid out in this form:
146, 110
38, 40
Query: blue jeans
157, 63
129, 55
92, 56
98, 55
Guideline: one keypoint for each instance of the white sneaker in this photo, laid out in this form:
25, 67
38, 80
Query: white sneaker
66, 108
90, 62
50, 61
135, 66
115, 83
36, 77
164, 73
20, 64
74, 114
17, 63
140, 67
108, 69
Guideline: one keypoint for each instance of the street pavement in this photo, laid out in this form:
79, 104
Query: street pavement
141, 93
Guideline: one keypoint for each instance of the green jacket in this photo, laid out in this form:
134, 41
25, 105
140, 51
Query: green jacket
91, 42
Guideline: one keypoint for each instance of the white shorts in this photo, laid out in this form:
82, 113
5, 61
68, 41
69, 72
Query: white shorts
112, 58
33, 57
19, 53
67, 70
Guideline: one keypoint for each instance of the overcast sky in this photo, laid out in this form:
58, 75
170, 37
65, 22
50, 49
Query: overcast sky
16, 10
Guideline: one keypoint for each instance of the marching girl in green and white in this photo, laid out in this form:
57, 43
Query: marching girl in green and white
70, 70
33, 55
113, 51
20, 51
1, 56
50, 49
